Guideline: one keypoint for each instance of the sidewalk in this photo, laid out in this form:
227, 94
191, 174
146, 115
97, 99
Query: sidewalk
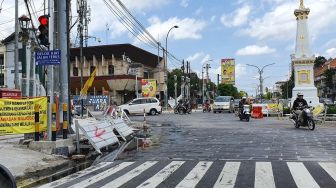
23, 162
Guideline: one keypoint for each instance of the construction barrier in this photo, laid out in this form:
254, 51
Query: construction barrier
37, 122
65, 121
53, 123
257, 112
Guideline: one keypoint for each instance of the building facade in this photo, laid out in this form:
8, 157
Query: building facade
324, 90
120, 69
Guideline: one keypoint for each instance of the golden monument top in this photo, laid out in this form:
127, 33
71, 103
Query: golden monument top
301, 4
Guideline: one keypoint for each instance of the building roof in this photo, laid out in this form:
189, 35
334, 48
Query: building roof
318, 71
8, 39
134, 53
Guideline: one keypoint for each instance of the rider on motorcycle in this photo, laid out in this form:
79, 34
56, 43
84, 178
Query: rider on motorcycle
298, 105
242, 103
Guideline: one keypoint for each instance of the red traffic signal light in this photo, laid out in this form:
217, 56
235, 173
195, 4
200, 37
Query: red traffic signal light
43, 20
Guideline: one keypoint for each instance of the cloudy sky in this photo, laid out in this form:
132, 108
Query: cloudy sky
255, 32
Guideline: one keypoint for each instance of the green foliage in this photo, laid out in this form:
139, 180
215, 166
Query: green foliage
228, 90
329, 77
319, 61
242, 94
286, 110
331, 109
290, 85
194, 82
268, 95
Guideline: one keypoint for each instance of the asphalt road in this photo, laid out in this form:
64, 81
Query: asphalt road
217, 150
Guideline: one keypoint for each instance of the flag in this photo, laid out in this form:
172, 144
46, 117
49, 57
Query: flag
87, 85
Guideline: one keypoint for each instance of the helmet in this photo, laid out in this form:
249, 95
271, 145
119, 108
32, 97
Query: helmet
243, 97
299, 94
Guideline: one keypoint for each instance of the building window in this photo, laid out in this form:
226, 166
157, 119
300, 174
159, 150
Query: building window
110, 70
2, 79
146, 75
75, 71
1, 60
92, 68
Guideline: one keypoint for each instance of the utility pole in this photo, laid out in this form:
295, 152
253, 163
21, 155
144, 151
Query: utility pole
207, 78
51, 67
16, 47
175, 87
63, 32
81, 12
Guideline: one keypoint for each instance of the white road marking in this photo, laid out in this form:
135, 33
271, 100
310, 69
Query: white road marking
330, 168
195, 175
130, 175
228, 176
264, 175
102, 175
76, 175
301, 175
162, 175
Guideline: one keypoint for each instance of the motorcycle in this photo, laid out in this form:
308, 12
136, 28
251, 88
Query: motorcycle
183, 107
245, 113
206, 107
306, 120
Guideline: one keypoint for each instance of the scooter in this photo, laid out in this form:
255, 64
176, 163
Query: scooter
307, 119
245, 114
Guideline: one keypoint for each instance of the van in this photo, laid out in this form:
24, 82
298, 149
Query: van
150, 105
223, 103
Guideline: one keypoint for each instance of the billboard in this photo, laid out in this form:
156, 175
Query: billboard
17, 115
228, 71
148, 87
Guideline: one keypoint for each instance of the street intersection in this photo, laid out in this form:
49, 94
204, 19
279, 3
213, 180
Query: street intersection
218, 150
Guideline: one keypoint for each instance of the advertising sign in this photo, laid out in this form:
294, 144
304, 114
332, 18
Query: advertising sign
148, 87
17, 115
228, 71
52, 57
99, 102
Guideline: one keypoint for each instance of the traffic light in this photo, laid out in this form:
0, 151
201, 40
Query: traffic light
43, 28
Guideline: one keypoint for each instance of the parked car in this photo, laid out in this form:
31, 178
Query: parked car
223, 103
151, 105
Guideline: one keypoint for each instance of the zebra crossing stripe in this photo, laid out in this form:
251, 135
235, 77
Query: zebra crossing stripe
162, 175
228, 176
301, 175
330, 168
264, 175
76, 175
195, 175
102, 175
130, 175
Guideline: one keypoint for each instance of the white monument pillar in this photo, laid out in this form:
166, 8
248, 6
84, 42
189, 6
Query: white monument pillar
303, 59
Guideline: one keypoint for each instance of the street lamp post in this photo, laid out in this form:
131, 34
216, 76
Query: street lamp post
203, 84
165, 68
260, 71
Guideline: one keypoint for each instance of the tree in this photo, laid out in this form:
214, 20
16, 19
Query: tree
319, 61
242, 94
288, 85
194, 82
228, 90
329, 73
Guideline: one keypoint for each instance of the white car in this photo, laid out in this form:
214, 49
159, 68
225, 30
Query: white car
151, 106
223, 103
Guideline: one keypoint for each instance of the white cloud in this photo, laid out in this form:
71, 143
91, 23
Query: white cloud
331, 52
189, 28
184, 3
280, 23
240, 70
195, 57
255, 50
144, 4
237, 18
